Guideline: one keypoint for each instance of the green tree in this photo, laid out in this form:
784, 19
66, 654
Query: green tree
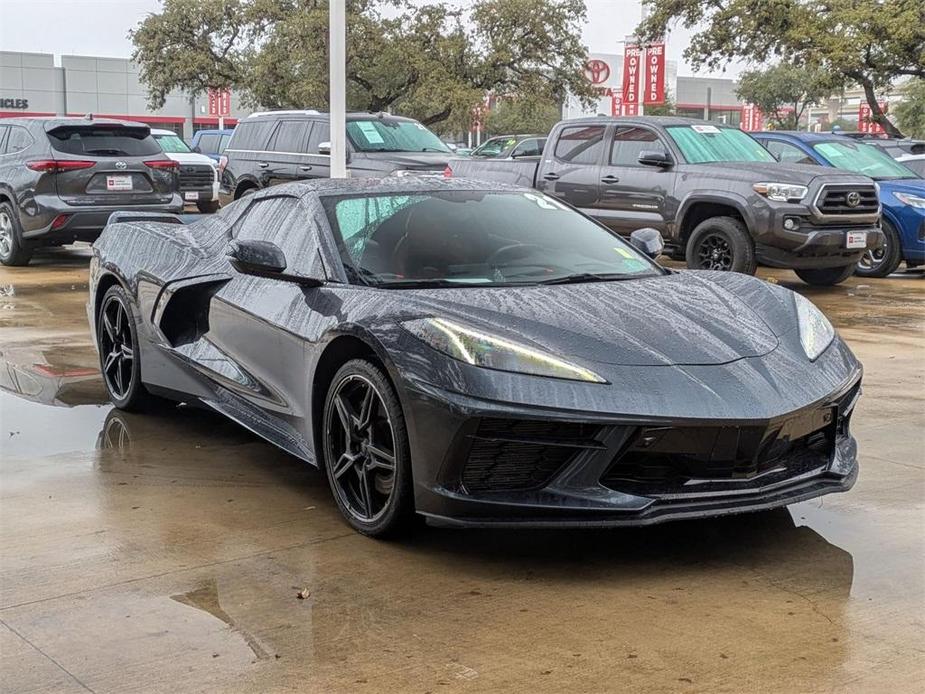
784, 91
864, 42
522, 115
911, 111
666, 109
433, 62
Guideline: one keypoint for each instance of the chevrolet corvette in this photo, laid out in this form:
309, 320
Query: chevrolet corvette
478, 355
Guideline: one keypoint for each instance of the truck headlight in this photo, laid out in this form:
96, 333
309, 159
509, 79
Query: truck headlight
492, 352
781, 192
816, 332
911, 200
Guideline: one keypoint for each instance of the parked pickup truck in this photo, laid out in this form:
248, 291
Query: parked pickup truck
719, 198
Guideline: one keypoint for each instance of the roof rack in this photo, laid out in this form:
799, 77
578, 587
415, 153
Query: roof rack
304, 112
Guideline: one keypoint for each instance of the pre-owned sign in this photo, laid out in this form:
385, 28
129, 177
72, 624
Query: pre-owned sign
19, 104
220, 102
632, 56
654, 87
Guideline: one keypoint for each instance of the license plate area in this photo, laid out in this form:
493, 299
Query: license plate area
117, 183
191, 195
856, 239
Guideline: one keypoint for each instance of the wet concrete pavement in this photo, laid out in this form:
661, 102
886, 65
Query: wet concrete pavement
165, 552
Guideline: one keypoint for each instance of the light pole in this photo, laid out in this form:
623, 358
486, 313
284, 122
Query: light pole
337, 78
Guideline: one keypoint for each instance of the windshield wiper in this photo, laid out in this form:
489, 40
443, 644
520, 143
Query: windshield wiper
417, 283
432, 149
580, 277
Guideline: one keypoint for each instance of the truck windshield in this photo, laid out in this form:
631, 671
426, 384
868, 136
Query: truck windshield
863, 159
388, 135
702, 143
475, 238
172, 144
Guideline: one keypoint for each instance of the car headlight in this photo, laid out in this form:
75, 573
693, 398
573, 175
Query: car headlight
911, 200
489, 351
781, 192
816, 332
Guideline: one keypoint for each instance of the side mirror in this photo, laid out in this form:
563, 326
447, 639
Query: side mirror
257, 257
324, 148
655, 158
648, 241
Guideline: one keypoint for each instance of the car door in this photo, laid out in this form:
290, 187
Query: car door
282, 163
313, 163
571, 171
634, 196
255, 346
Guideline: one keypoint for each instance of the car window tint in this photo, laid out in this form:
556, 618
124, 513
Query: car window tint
580, 144
252, 135
18, 139
528, 148
104, 141
786, 152
283, 221
321, 132
629, 143
222, 144
207, 142
290, 136
4, 129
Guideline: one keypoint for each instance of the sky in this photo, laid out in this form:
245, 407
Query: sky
100, 27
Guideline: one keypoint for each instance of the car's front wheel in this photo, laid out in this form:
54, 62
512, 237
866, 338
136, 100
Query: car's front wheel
721, 243
882, 261
13, 250
207, 206
827, 276
117, 343
366, 453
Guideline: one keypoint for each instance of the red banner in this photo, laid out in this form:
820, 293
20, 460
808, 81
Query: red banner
752, 118
865, 124
655, 74
632, 57
220, 102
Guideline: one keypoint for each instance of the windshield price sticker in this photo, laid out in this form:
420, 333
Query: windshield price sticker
705, 129
370, 133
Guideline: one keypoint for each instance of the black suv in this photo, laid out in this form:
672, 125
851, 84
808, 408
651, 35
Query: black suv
61, 178
282, 146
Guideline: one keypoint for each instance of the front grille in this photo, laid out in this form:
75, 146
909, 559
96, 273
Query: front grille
196, 176
519, 455
837, 200
694, 460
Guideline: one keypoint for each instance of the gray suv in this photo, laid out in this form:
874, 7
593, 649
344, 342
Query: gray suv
61, 178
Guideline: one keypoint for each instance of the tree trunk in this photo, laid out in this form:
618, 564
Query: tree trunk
876, 113
438, 117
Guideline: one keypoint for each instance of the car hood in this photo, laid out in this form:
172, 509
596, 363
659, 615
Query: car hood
913, 186
777, 172
409, 160
685, 318
190, 158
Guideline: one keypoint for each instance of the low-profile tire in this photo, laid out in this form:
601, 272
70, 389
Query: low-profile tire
827, 276
117, 344
721, 243
885, 260
13, 250
366, 454
207, 206
250, 190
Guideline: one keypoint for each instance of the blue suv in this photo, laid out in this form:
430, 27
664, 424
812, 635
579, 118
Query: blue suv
902, 191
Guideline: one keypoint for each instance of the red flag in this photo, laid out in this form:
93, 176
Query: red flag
631, 65
752, 118
655, 74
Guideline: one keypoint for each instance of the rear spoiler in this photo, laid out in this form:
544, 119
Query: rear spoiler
132, 129
162, 217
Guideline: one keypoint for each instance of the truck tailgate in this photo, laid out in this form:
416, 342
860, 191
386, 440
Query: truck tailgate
518, 172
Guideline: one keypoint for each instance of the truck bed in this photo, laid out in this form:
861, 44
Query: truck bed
518, 172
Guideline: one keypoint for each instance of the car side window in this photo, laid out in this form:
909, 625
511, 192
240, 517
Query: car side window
528, 148
321, 132
4, 129
208, 142
580, 144
282, 220
18, 139
629, 142
786, 152
290, 136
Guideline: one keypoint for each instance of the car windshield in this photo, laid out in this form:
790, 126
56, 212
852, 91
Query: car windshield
703, 143
864, 159
494, 147
172, 144
389, 135
103, 141
476, 238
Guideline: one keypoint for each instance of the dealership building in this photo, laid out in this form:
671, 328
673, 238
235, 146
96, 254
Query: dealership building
41, 84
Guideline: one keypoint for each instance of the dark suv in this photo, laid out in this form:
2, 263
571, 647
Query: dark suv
61, 178
282, 146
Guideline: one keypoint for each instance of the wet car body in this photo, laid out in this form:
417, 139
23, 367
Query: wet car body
707, 405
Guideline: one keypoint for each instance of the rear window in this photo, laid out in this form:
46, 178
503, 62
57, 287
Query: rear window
104, 142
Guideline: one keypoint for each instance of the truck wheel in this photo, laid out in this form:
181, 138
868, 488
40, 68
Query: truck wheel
721, 243
207, 206
885, 260
13, 251
827, 276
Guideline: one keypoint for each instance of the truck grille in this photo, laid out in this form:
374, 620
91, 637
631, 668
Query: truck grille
847, 199
196, 176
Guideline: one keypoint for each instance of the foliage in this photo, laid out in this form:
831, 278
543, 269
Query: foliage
667, 109
784, 91
522, 115
861, 41
433, 62
911, 112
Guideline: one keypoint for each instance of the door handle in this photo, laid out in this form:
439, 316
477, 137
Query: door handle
551, 176
263, 165
305, 168
610, 179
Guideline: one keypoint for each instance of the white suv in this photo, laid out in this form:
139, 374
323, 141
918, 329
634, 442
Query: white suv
198, 175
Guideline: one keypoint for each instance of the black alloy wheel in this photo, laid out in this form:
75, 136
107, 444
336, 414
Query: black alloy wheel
714, 253
723, 244
117, 343
365, 450
883, 261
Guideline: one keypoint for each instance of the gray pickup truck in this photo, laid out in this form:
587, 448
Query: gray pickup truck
719, 198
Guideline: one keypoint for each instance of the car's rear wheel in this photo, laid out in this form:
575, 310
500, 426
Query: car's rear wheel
827, 276
13, 250
884, 260
207, 206
721, 243
366, 453
117, 342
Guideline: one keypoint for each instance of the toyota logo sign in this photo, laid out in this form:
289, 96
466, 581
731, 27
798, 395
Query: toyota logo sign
597, 71
853, 199
120, 165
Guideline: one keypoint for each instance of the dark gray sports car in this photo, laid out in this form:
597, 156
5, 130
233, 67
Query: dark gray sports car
478, 355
